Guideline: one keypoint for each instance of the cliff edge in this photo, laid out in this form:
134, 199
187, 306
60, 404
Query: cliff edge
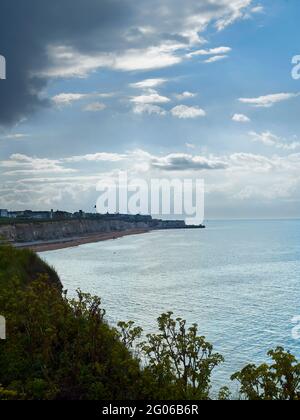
35, 231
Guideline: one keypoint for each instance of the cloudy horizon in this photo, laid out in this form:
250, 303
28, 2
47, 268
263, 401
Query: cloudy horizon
155, 88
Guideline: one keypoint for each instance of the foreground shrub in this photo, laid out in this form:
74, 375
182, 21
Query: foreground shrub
180, 360
60, 349
278, 381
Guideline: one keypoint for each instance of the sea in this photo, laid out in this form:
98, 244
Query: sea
238, 280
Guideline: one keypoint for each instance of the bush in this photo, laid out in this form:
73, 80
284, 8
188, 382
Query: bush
180, 361
278, 381
60, 349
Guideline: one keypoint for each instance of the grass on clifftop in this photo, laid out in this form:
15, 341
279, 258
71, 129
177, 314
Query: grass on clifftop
24, 264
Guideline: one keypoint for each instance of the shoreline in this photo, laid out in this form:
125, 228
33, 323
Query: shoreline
74, 242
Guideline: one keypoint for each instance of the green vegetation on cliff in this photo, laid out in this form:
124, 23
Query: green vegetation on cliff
58, 348
24, 265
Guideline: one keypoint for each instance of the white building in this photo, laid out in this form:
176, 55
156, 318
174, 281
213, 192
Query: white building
3, 213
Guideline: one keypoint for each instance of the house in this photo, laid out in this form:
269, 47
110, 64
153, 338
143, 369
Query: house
4, 213
30, 215
60, 215
15, 214
80, 215
36, 215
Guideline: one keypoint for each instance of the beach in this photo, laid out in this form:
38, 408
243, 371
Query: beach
44, 246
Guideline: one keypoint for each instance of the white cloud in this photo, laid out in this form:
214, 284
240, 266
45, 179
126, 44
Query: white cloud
184, 162
240, 118
230, 178
149, 109
254, 11
257, 9
155, 57
184, 112
185, 95
95, 107
148, 83
96, 157
268, 100
216, 58
190, 145
150, 97
67, 98
152, 35
236, 9
269, 139
193, 17
236, 163
20, 164
16, 136
68, 62
63, 99
212, 51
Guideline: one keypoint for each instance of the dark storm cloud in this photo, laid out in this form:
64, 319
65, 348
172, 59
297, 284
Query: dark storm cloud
28, 27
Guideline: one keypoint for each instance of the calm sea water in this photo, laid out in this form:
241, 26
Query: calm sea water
239, 280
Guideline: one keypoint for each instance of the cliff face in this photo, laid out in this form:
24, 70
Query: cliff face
47, 231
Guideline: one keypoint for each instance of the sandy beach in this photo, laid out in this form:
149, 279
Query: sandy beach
73, 242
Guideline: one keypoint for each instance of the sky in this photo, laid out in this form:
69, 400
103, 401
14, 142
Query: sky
200, 89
